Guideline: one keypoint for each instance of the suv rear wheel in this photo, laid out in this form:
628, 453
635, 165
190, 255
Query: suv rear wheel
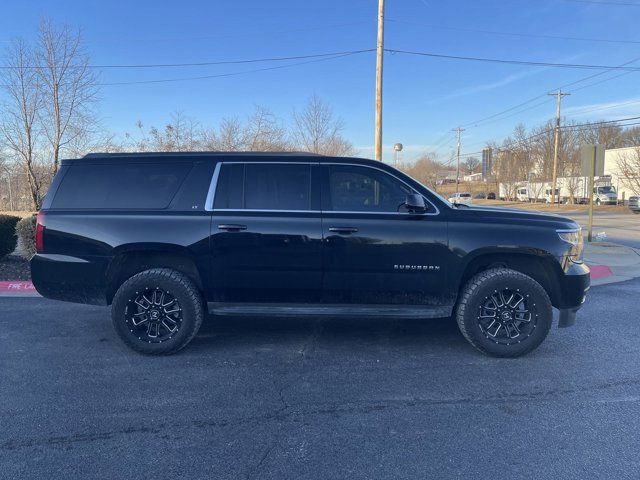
504, 313
157, 312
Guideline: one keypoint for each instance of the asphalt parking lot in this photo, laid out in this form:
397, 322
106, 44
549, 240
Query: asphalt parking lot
310, 398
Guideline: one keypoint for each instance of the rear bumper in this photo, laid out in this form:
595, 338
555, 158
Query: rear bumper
71, 279
574, 285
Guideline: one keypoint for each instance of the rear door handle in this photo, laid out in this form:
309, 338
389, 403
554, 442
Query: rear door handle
232, 227
343, 230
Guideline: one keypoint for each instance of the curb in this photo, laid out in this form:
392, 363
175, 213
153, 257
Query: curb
17, 288
600, 271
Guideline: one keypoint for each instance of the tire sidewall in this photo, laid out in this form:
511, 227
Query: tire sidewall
151, 280
540, 306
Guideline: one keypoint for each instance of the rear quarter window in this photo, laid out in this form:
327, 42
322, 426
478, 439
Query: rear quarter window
120, 186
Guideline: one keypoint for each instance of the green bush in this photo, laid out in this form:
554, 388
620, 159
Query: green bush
26, 233
7, 234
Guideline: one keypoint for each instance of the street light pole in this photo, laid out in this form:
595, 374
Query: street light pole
458, 131
379, 60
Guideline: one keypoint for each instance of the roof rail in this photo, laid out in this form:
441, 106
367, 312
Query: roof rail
198, 153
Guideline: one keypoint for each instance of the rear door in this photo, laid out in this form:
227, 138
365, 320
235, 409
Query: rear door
374, 251
266, 233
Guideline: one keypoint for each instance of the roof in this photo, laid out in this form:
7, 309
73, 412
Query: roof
154, 157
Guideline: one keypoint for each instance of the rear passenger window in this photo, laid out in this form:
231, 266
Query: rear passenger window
122, 186
264, 186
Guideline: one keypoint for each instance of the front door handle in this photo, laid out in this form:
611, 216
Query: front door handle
232, 227
343, 230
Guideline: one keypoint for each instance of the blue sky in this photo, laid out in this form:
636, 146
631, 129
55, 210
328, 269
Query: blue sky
424, 98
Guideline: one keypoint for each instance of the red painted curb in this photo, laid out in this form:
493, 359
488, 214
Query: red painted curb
600, 271
15, 286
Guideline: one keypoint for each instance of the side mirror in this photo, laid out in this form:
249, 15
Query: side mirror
415, 203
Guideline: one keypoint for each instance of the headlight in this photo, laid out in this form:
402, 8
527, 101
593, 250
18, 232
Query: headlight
574, 238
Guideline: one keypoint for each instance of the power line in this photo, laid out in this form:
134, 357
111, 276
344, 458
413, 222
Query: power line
604, 122
484, 120
602, 2
607, 107
257, 33
582, 66
330, 54
200, 64
578, 126
513, 34
231, 74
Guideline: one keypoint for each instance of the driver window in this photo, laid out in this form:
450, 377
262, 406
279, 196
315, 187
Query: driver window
361, 189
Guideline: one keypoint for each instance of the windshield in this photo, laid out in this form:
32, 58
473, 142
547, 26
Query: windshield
607, 189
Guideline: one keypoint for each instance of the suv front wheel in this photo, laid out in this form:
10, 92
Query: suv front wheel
504, 313
157, 312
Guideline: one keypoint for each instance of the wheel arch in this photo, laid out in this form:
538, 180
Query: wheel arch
539, 265
134, 259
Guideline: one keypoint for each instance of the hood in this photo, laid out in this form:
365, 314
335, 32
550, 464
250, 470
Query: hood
517, 216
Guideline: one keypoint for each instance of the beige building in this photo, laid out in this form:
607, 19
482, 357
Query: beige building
623, 185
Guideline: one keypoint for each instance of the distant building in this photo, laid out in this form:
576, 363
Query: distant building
474, 177
611, 167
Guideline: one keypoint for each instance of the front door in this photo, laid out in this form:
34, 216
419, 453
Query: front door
265, 233
374, 250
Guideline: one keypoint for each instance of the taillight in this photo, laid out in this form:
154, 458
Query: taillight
40, 233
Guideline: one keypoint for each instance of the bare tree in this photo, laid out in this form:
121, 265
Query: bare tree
19, 126
181, 133
228, 138
425, 170
317, 131
69, 87
471, 164
263, 132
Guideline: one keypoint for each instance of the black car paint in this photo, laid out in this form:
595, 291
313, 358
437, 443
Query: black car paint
296, 257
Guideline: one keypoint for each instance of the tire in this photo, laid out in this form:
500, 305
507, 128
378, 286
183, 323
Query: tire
598, 202
157, 312
487, 290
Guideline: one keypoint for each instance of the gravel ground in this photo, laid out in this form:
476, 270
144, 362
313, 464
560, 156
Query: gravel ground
13, 267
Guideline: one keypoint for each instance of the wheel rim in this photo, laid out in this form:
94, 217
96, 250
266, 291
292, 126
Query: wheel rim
507, 316
153, 315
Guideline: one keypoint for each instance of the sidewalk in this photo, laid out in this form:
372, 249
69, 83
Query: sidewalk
611, 263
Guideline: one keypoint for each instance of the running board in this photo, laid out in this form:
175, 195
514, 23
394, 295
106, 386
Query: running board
294, 309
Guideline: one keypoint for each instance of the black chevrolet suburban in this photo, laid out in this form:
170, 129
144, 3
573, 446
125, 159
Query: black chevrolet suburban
166, 238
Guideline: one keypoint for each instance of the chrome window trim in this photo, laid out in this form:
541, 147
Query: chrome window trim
216, 175
273, 163
263, 210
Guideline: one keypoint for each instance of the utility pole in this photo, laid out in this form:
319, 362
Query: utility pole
556, 144
458, 131
379, 59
